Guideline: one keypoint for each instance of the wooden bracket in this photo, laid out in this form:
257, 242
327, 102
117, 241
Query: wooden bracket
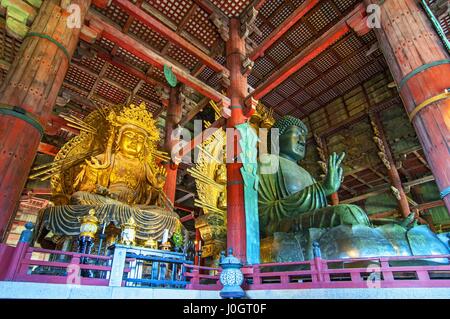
101, 3
248, 25
247, 66
88, 34
187, 103
225, 109
163, 94
358, 22
221, 25
224, 80
250, 107
19, 15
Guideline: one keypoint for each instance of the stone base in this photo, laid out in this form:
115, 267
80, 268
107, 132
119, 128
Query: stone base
26, 290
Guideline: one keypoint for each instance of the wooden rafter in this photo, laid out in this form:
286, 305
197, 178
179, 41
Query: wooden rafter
313, 50
300, 12
169, 34
386, 187
324, 74
384, 178
359, 179
181, 26
141, 51
211, 8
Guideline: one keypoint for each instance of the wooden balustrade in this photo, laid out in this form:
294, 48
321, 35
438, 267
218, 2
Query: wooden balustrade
381, 272
202, 278
63, 268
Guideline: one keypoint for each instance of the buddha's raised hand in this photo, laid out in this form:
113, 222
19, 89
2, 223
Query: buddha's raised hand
160, 175
333, 178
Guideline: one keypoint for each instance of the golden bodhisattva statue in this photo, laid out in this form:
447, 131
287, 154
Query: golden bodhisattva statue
121, 182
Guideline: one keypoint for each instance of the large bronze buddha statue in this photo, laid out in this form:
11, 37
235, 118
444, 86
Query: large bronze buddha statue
294, 212
290, 196
123, 181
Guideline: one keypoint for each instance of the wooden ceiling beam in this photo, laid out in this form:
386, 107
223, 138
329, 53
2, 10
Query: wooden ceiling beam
48, 149
141, 51
181, 26
299, 13
172, 36
300, 60
358, 117
211, 8
129, 69
361, 180
386, 187
192, 113
257, 4
383, 177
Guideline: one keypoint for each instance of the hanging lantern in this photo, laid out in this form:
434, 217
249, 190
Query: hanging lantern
128, 235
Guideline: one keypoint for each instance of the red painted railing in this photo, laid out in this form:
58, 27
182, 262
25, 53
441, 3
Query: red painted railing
380, 272
69, 264
202, 278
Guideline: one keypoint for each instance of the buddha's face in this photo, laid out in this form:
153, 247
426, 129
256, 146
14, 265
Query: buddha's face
293, 143
132, 143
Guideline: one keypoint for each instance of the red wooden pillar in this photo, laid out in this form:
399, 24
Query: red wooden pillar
237, 91
173, 118
27, 98
420, 66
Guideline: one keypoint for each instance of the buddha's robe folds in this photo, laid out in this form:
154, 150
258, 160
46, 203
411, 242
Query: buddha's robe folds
151, 220
289, 198
129, 185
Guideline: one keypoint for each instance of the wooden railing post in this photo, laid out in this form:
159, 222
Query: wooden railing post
20, 252
423, 275
195, 280
388, 276
257, 280
317, 264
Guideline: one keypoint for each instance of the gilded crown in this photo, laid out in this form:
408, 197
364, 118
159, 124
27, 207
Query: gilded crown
139, 116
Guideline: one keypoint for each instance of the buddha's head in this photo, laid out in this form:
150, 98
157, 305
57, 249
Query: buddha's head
292, 137
137, 132
131, 141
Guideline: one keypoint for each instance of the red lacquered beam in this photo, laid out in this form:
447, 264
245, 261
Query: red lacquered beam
124, 67
172, 36
307, 55
48, 149
141, 51
283, 28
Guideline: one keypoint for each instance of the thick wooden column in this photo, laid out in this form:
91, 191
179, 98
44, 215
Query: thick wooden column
237, 91
27, 98
421, 67
394, 177
173, 117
